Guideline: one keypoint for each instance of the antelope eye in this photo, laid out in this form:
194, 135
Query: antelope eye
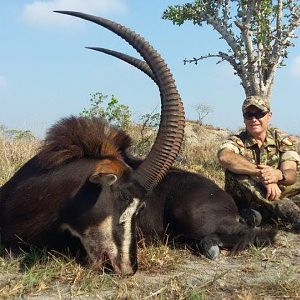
125, 196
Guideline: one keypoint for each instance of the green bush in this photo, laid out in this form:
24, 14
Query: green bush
109, 109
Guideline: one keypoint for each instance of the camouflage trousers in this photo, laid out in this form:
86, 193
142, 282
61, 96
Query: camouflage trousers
251, 193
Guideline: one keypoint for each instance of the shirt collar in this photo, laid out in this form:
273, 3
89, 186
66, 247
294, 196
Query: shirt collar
250, 141
270, 140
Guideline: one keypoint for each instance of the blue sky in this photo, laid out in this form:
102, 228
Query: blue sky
46, 73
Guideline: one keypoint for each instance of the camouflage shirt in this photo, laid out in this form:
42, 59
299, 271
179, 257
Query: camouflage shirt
277, 148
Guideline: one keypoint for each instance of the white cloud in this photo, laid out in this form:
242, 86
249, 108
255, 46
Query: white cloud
296, 66
41, 12
3, 82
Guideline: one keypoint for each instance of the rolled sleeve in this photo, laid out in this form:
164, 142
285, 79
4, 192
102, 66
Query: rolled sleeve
290, 156
229, 145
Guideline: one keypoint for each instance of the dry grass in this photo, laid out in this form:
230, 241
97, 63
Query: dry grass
13, 154
159, 256
199, 151
50, 274
39, 272
164, 272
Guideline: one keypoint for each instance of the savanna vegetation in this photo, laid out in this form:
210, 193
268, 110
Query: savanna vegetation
165, 271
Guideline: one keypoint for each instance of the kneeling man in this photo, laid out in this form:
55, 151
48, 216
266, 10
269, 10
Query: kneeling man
261, 165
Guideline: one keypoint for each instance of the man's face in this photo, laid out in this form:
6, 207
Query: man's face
256, 121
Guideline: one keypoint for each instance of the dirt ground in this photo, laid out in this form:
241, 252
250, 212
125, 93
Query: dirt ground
269, 273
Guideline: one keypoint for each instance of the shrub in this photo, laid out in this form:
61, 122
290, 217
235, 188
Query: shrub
110, 110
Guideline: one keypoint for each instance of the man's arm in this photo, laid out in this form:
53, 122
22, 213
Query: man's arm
285, 175
289, 171
236, 163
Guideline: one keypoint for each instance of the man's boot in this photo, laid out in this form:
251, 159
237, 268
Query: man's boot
289, 212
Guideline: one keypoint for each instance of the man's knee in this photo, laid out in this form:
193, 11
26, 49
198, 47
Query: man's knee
241, 180
247, 187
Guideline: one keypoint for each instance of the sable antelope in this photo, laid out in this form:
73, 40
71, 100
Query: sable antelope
192, 207
80, 182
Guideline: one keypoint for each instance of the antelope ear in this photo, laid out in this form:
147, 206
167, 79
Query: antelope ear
103, 179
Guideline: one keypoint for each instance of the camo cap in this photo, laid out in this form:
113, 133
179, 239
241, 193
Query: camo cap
257, 101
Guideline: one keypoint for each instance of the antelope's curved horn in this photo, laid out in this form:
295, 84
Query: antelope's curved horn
138, 63
171, 128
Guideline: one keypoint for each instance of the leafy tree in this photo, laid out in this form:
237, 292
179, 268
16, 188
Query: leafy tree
258, 33
109, 109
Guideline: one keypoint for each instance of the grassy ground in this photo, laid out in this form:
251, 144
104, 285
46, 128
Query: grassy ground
164, 272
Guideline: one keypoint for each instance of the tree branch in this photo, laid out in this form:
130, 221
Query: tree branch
224, 57
232, 42
281, 44
246, 34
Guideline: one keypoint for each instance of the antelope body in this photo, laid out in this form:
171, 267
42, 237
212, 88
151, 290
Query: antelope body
191, 208
79, 180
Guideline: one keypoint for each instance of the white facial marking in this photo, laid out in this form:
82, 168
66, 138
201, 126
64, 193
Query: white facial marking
96, 238
129, 211
126, 218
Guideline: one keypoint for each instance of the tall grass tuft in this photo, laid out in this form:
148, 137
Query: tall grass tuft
14, 153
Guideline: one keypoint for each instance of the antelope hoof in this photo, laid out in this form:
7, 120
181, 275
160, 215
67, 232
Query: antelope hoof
212, 252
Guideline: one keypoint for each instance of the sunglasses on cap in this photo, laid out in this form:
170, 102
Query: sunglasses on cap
257, 114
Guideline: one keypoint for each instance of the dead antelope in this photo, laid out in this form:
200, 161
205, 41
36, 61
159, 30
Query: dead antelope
191, 207
80, 182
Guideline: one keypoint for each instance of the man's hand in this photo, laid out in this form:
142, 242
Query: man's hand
273, 192
269, 175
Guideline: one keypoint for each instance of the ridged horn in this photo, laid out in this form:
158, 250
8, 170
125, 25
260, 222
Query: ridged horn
171, 129
138, 63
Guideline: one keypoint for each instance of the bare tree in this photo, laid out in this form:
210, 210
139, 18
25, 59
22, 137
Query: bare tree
203, 110
258, 33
